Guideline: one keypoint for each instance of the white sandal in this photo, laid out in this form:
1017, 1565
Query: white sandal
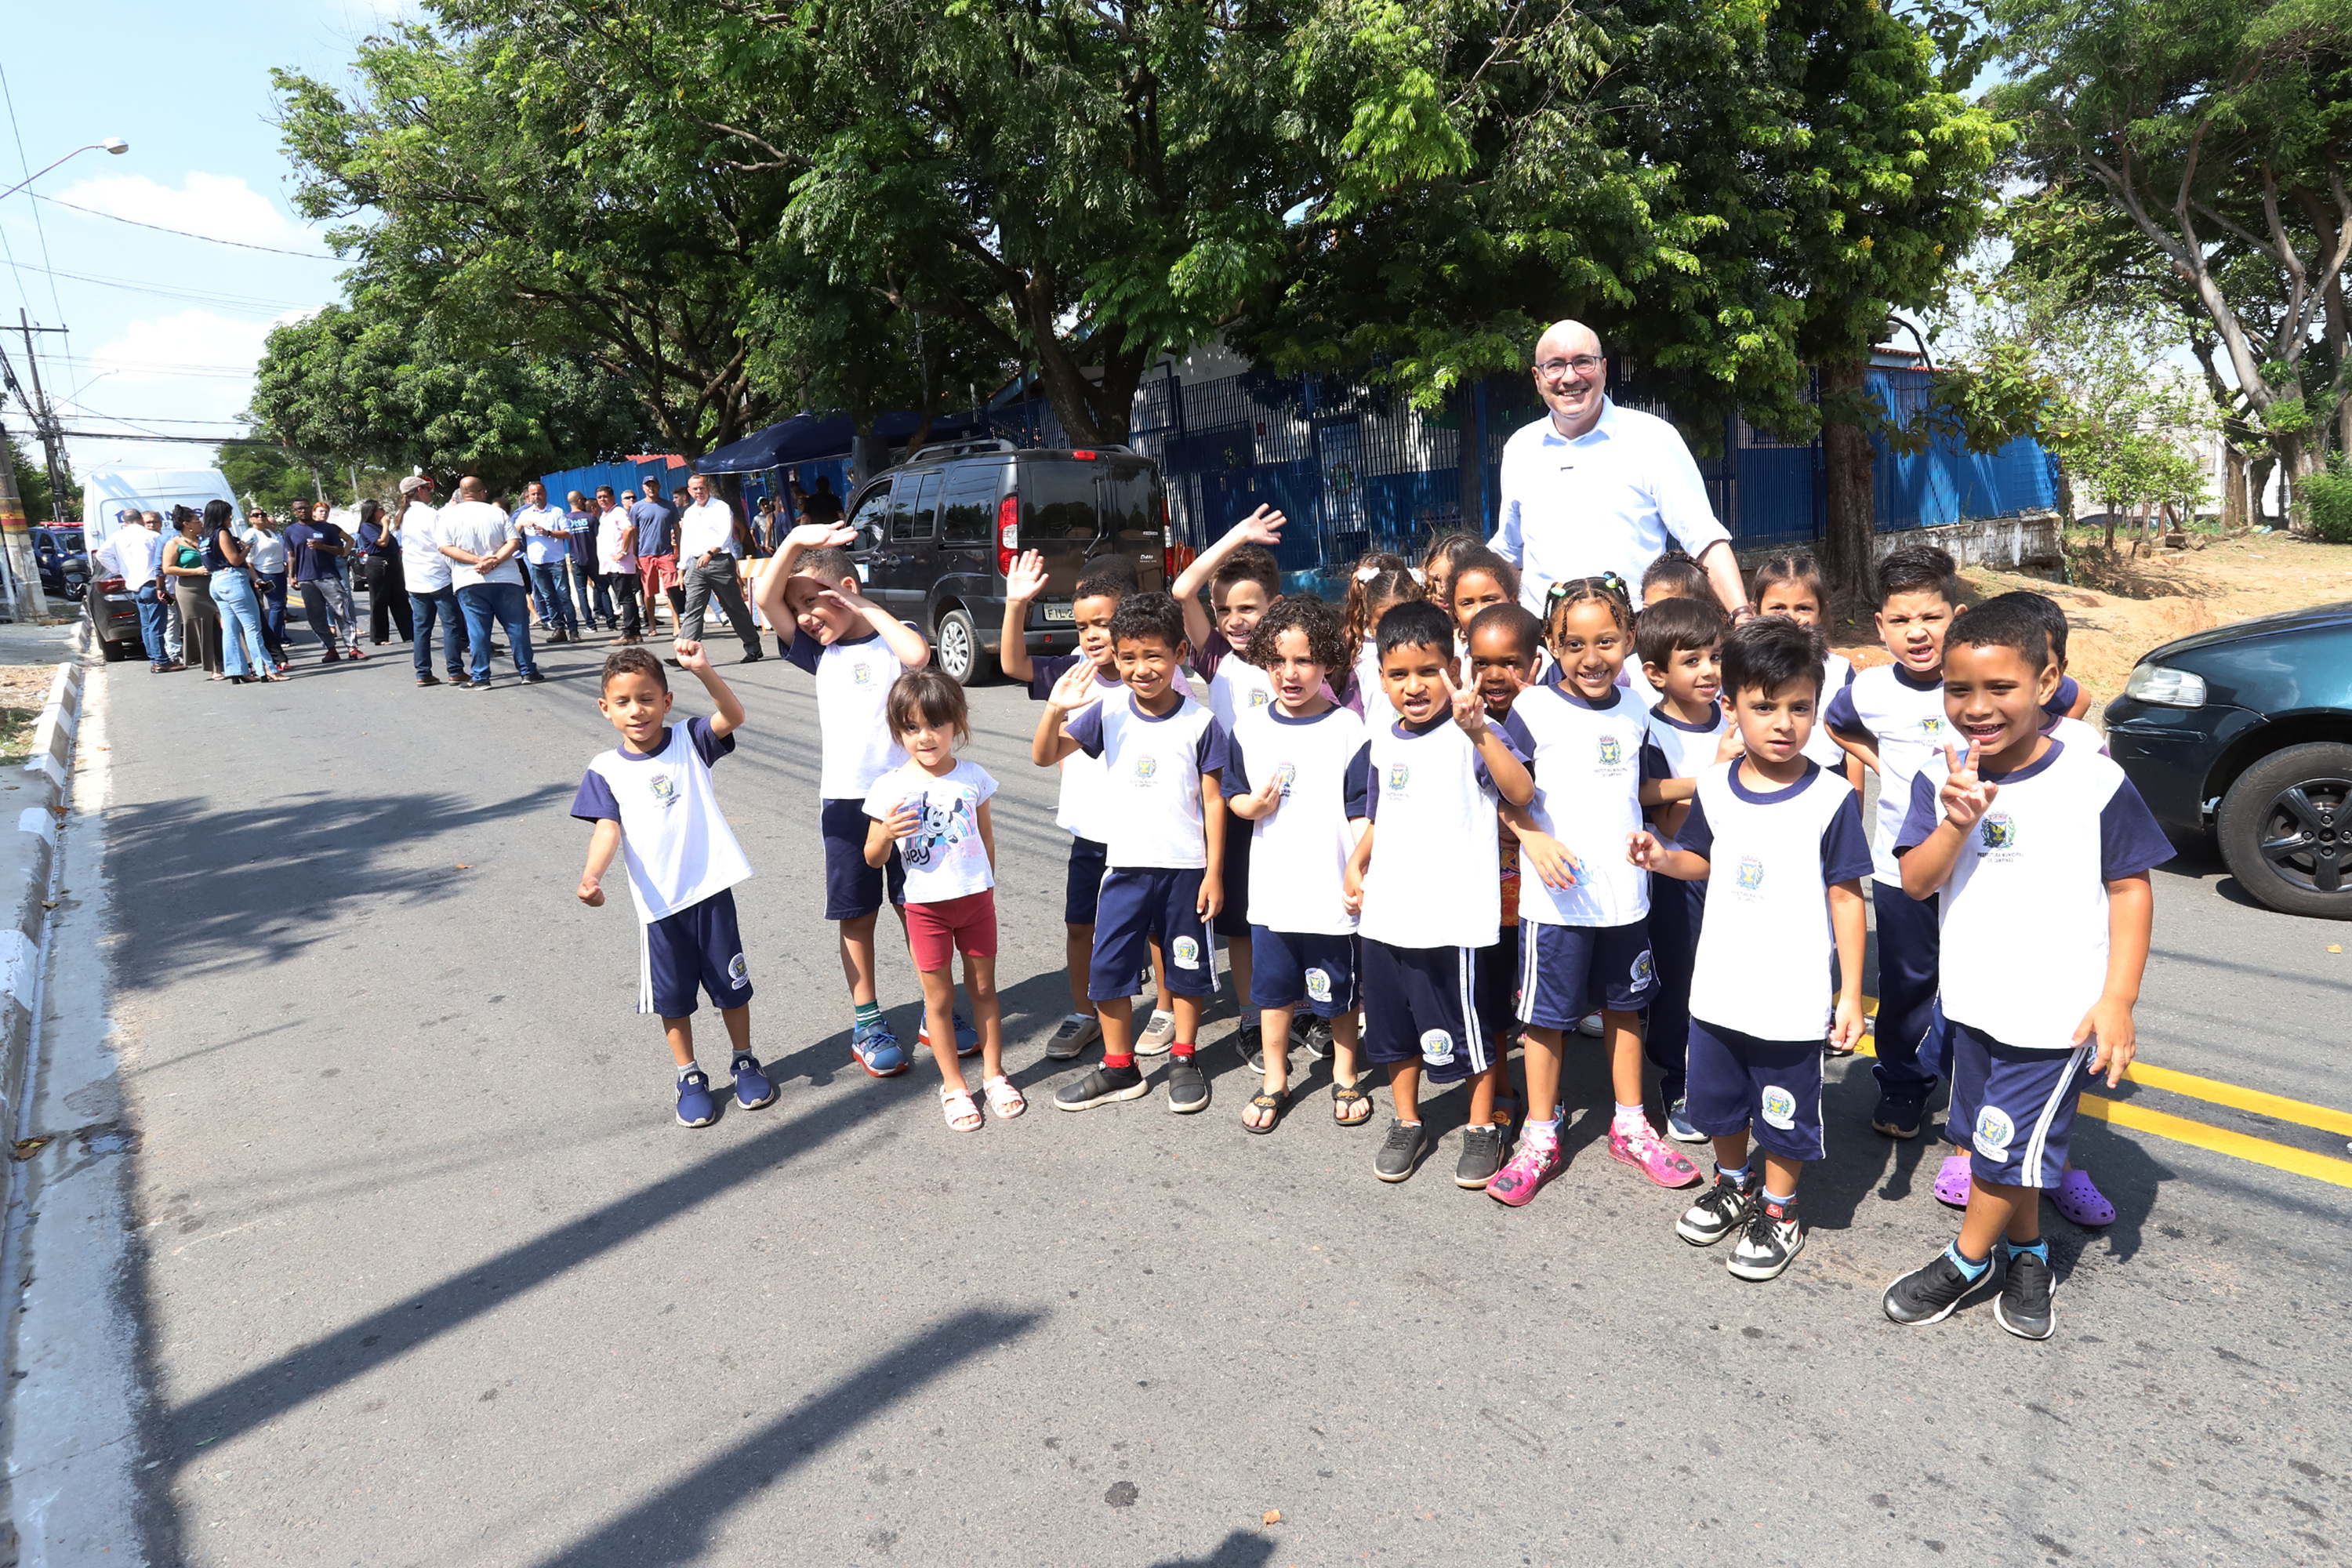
955, 1100
1005, 1101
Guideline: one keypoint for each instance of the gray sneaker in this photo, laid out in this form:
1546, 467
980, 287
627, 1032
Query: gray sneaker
1482, 1156
1188, 1087
1077, 1032
1249, 1039
1401, 1150
1317, 1038
1157, 1036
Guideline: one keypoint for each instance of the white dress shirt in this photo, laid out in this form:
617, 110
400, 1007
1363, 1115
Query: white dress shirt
135, 552
1612, 499
707, 526
478, 528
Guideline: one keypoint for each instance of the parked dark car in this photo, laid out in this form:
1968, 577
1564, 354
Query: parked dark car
2245, 731
64, 566
937, 535
113, 615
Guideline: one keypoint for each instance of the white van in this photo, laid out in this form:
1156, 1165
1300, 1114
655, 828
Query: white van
107, 495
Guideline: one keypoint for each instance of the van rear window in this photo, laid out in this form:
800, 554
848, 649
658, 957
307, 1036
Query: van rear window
1058, 501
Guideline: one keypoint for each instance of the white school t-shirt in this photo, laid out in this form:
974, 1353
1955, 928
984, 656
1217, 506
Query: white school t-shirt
675, 840
945, 858
853, 720
1235, 686
1435, 877
1298, 856
1080, 811
1837, 674
2024, 915
1153, 769
1368, 697
1588, 767
1904, 716
1764, 951
1683, 750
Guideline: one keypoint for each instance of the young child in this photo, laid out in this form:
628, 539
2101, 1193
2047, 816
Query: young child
651, 799
1673, 575
1093, 601
1791, 586
1480, 578
932, 814
1287, 781
2040, 851
1680, 644
1381, 582
1583, 919
1422, 882
1505, 644
856, 651
1778, 842
1163, 754
1243, 583
1438, 562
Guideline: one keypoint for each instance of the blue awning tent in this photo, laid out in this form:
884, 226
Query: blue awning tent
805, 437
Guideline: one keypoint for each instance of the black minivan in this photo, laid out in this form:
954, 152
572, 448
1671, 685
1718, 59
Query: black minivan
937, 535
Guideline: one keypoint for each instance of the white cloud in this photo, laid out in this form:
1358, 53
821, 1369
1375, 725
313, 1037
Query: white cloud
220, 206
191, 365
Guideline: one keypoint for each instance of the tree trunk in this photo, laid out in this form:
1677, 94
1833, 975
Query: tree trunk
2299, 460
1849, 506
2233, 488
2258, 485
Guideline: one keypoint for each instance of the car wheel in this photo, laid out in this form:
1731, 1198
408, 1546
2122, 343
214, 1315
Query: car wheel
2285, 828
961, 658
113, 652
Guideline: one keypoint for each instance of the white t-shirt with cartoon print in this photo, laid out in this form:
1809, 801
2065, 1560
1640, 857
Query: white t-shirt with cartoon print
945, 858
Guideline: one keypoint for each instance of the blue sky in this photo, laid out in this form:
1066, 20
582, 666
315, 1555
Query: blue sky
167, 343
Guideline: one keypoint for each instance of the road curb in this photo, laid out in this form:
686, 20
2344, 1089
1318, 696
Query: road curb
25, 877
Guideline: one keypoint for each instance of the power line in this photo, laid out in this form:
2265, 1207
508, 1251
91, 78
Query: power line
184, 234
192, 296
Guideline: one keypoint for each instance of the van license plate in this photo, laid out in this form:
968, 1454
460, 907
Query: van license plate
1061, 612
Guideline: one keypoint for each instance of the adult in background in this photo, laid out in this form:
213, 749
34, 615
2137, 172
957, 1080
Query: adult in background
656, 553
265, 563
383, 576
707, 546
616, 561
174, 644
427, 573
191, 579
134, 552
481, 541
546, 549
1591, 488
244, 648
337, 583
579, 543
821, 505
314, 551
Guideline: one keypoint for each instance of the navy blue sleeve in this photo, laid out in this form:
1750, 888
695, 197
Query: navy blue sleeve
1655, 764
1045, 674
1236, 776
1516, 735
1213, 651
594, 803
1208, 754
2129, 840
1842, 714
1359, 786
805, 650
1925, 813
1845, 847
1850, 673
1085, 727
1697, 834
708, 746
2061, 701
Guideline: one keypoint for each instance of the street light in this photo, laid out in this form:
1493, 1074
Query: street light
115, 145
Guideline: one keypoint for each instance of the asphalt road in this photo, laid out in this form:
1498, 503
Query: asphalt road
426, 1273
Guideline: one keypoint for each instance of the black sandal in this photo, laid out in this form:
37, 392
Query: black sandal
1344, 1095
1278, 1103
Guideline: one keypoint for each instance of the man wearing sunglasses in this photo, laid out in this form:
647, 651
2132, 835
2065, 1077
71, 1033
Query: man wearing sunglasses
1592, 488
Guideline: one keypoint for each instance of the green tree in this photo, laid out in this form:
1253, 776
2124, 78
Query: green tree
32, 483
268, 477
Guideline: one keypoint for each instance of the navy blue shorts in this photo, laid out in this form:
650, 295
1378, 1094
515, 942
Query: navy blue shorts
1089, 861
1568, 972
697, 946
2017, 1106
1771, 1089
1233, 921
1911, 1036
1421, 1004
1314, 970
851, 888
1136, 905
1498, 985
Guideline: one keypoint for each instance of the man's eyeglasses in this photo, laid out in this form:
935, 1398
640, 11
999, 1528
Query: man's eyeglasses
1582, 364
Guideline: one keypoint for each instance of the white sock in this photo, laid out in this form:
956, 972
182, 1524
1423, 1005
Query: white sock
687, 1068
1630, 1113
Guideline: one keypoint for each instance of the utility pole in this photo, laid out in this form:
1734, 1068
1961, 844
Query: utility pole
45, 419
26, 602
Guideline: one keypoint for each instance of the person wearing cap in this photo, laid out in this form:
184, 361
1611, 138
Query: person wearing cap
427, 573
656, 552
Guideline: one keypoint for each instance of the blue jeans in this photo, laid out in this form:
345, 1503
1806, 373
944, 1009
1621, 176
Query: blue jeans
244, 649
153, 619
441, 604
551, 584
507, 604
272, 587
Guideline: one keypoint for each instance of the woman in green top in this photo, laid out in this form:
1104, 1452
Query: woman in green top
183, 563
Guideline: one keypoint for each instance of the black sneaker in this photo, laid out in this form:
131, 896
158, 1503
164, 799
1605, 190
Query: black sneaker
2024, 1306
1101, 1086
1929, 1295
1401, 1150
751, 655
1317, 1038
464, 683
1773, 1239
533, 678
1482, 1156
1249, 1039
1720, 1210
1188, 1086
1899, 1115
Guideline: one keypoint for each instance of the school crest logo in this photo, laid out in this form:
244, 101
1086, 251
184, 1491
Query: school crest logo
1994, 1132
1643, 971
1146, 768
1931, 726
1612, 751
1999, 831
1397, 773
1260, 698
1751, 874
861, 673
1437, 1047
1283, 777
1319, 985
665, 790
1186, 952
1779, 1107
739, 972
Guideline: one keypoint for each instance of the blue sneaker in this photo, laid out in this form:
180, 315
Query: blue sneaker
877, 1050
1678, 1127
967, 1037
695, 1106
752, 1089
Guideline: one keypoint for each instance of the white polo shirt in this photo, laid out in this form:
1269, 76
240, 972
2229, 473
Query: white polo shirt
135, 552
422, 564
479, 528
705, 527
543, 549
1612, 499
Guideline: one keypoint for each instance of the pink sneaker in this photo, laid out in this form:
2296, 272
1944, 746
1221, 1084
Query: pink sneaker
1531, 1165
1952, 1182
1639, 1147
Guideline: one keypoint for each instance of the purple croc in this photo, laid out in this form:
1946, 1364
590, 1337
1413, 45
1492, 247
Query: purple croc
1952, 1181
2080, 1200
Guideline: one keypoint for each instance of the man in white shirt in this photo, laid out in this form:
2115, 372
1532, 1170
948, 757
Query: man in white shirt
1592, 488
481, 541
706, 555
134, 552
546, 548
425, 571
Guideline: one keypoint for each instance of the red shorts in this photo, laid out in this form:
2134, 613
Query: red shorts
937, 933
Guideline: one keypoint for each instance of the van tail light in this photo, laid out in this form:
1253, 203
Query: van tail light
1083, 457
1173, 557
108, 585
1008, 535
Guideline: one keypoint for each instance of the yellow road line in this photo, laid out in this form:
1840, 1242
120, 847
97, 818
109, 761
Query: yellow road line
2230, 1095
2220, 1141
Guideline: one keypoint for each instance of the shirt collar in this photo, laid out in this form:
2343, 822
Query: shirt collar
1605, 427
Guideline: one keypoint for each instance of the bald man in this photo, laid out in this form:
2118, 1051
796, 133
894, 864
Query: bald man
481, 541
1592, 488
